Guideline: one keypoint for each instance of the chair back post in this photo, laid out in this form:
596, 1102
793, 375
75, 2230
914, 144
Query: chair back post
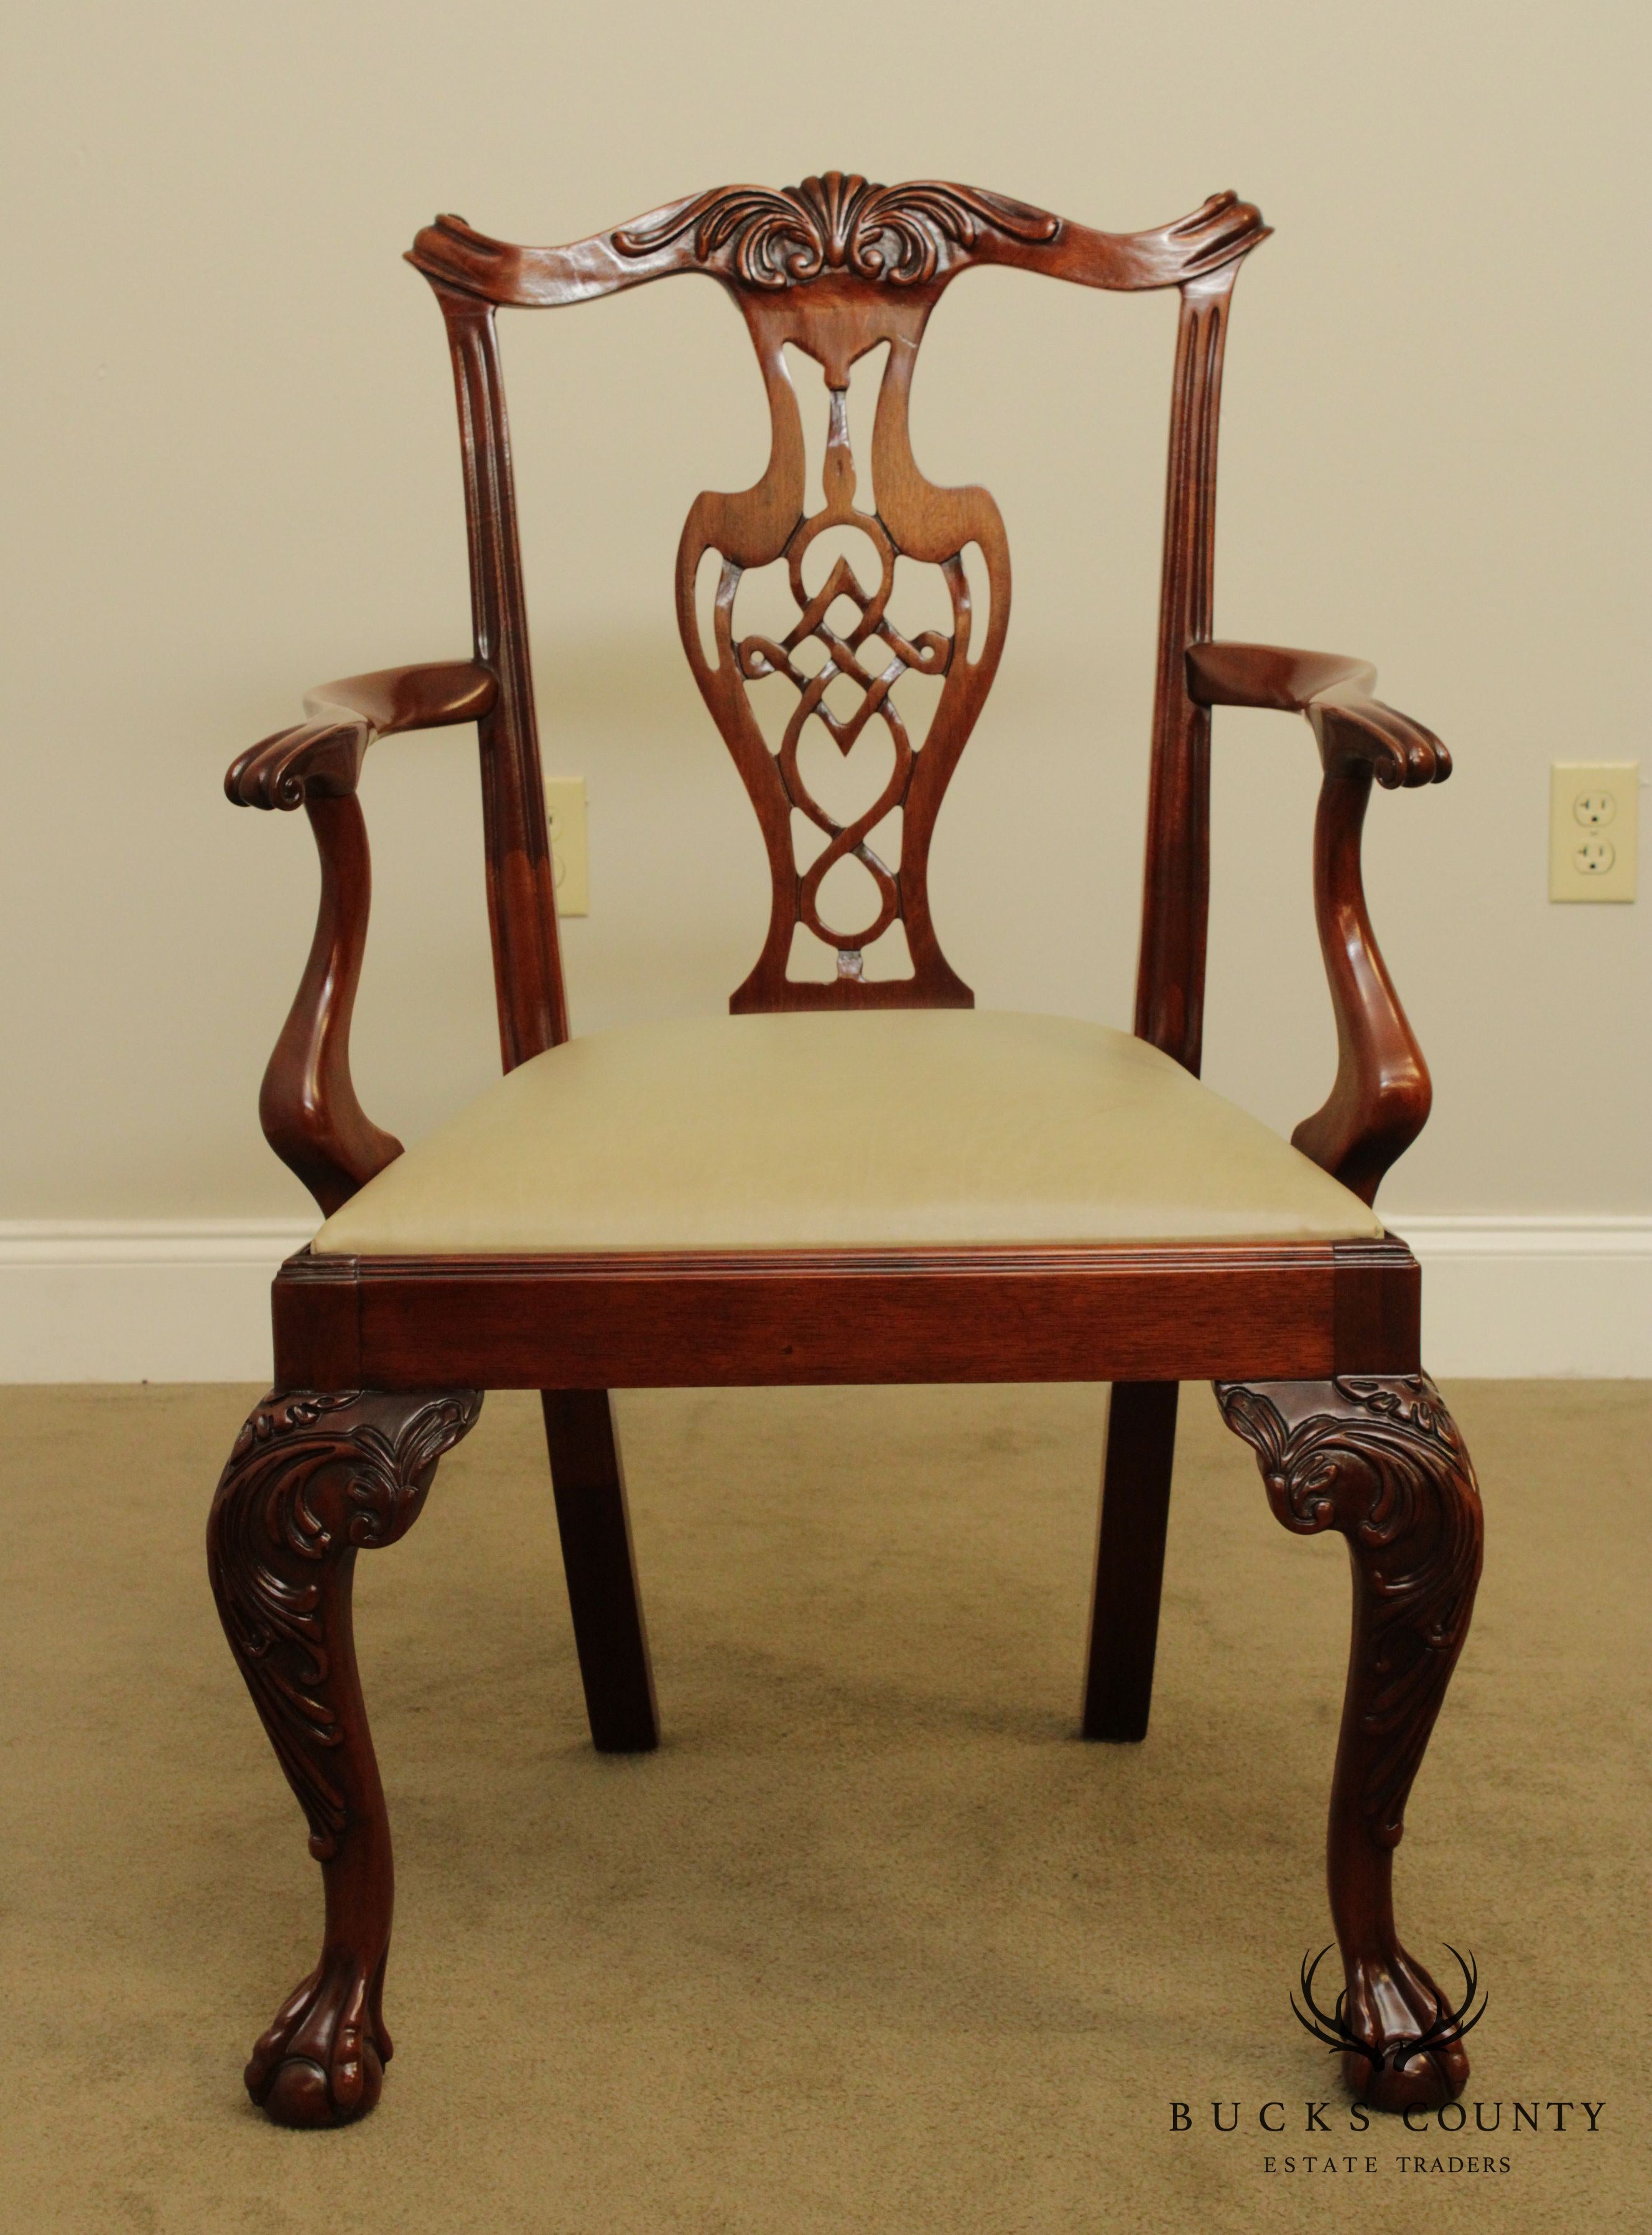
838, 266
521, 906
1176, 883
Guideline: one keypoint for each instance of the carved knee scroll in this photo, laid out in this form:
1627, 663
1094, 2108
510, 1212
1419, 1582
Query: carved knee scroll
314, 1478
1381, 1459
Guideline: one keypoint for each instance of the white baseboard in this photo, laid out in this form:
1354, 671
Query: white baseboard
139, 1299
1519, 1297
158, 1300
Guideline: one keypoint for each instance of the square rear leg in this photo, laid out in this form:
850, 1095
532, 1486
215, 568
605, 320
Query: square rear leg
589, 1484
1129, 1559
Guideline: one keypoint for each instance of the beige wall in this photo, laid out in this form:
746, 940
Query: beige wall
236, 475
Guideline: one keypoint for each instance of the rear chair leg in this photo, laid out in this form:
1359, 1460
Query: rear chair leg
589, 1484
1379, 1458
314, 1477
1129, 1559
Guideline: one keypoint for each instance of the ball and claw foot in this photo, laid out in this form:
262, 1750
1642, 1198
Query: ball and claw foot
322, 2061
1396, 2002
316, 1477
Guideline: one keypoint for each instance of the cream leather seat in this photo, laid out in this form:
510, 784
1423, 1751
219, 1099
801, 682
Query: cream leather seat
860, 1130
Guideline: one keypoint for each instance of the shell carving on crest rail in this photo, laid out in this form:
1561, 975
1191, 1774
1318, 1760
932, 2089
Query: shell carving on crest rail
837, 226
835, 223
839, 267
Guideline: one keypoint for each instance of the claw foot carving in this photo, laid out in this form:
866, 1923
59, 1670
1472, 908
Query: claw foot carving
1390, 2002
316, 1477
322, 2061
1379, 1459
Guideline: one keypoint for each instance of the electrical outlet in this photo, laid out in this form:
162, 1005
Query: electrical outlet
570, 857
1594, 811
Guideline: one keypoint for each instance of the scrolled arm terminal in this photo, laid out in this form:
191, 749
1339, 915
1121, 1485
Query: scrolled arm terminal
307, 1105
1380, 1101
322, 759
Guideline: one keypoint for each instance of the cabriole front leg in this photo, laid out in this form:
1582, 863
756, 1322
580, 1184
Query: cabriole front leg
1380, 1458
314, 1478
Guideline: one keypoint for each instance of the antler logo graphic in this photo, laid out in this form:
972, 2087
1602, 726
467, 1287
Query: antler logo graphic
1448, 2025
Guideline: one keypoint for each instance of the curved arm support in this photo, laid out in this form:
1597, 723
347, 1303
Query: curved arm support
1380, 1100
307, 1104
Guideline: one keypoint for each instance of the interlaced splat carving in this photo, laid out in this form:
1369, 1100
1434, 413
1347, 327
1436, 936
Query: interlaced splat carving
929, 654
912, 518
838, 265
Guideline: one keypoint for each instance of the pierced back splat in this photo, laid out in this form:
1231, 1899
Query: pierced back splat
910, 518
838, 266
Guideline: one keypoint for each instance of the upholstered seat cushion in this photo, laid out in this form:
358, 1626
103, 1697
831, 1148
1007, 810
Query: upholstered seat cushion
867, 1129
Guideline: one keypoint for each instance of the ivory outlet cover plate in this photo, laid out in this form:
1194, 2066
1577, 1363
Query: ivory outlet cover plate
1594, 813
570, 857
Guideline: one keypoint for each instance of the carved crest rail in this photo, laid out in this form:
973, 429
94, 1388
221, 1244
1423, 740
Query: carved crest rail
839, 267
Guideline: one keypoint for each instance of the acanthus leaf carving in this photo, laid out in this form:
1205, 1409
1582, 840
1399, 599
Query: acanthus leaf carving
837, 222
313, 1477
1379, 1458
1382, 1463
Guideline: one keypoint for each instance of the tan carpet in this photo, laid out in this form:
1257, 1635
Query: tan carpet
873, 1942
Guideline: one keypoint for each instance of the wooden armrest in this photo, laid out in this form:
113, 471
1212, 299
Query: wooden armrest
307, 1104
1335, 692
1380, 1100
322, 757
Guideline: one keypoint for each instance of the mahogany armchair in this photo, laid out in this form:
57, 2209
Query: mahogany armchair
853, 1177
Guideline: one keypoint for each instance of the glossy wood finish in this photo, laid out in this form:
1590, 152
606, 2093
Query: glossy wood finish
909, 235
1314, 1346
522, 888
1129, 1560
314, 1477
595, 1526
322, 757
913, 520
1176, 879
839, 265
1307, 1310
1379, 1459
307, 1104
1380, 1100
